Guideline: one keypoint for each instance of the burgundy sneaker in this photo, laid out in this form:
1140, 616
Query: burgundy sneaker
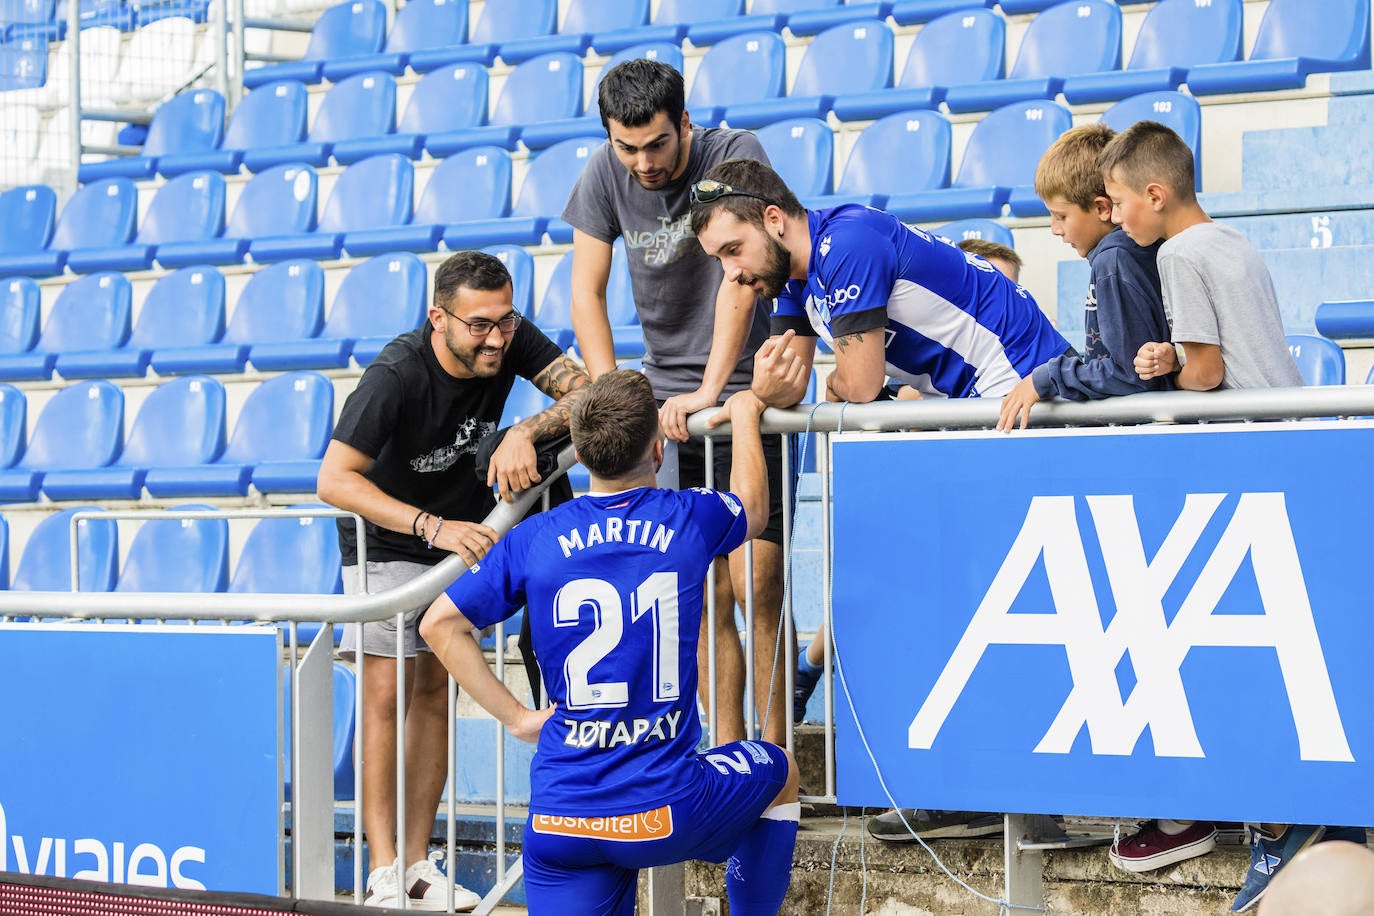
1149, 848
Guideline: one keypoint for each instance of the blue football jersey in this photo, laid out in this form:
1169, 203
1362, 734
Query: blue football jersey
613, 586
954, 325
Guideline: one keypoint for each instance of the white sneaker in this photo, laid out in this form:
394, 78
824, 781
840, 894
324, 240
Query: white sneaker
382, 888
426, 886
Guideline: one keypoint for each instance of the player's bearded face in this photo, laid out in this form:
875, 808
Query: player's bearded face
775, 272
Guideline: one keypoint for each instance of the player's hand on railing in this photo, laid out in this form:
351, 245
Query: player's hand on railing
1017, 404
470, 540
514, 464
529, 722
741, 404
777, 370
672, 416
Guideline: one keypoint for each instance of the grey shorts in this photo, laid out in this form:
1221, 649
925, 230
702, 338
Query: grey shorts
379, 637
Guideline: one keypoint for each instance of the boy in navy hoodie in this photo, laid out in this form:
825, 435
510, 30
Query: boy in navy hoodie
1124, 308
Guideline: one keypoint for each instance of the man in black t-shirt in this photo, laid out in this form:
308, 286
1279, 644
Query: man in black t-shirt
402, 457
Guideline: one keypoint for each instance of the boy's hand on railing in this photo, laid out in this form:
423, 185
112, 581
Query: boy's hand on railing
742, 405
529, 722
1017, 404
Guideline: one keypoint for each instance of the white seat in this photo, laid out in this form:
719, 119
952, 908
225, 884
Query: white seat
159, 60
21, 129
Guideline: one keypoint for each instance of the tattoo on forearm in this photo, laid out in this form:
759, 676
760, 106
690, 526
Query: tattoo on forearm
842, 343
560, 378
553, 421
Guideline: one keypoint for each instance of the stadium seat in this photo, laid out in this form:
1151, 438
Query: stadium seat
762, 15
360, 106
998, 167
188, 208
896, 156
915, 12
380, 298
554, 311
1072, 38
544, 88
281, 433
36, 18
538, 207
1176, 35
353, 28
986, 229
1321, 361
81, 427
99, 215
546, 133
521, 267
670, 23
421, 26
91, 313
802, 152
180, 423
158, 60
270, 116
21, 136
345, 691
1172, 109
46, 564
27, 215
279, 303
452, 98
498, 23
290, 556
189, 122
1346, 319
523, 402
100, 52
23, 64
20, 304
847, 58
201, 549
1295, 38
184, 308
371, 194
471, 185
811, 17
280, 200
745, 68
962, 47
14, 410
582, 20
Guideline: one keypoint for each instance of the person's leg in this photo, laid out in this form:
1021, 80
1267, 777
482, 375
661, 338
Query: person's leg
810, 668
729, 662
566, 874
771, 657
759, 872
378, 698
426, 752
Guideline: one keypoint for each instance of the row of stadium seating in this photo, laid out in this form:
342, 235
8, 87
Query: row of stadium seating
47, 19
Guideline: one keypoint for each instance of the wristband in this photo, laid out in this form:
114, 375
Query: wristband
415, 522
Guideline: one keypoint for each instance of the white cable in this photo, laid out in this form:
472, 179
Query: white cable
834, 852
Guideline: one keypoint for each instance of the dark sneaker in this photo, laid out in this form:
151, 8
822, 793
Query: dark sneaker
803, 685
1150, 848
1350, 834
1267, 855
933, 825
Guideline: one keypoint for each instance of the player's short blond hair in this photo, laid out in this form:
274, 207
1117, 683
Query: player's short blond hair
614, 423
1068, 170
988, 250
1150, 153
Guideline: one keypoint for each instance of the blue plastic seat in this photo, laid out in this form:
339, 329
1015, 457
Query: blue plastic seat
452, 98
962, 47
520, 265
371, 194
554, 312
896, 156
523, 402
998, 167
27, 13
276, 444
802, 152
20, 305
288, 556
811, 17
745, 68
189, 122
471, 185
1296, 38
23, 63
345, 690
91, 313
270, 116
670, 23
499, 24
280, 200
915, 12
46, 564
363, 105
1176, 35
14, 411
1321, 361
27, 218
201, 549
1345, 319
1073, 38
189, 208
421, 25
583, 20
353, 28
847, 58
380, 298
1175, 110
986, 229
281, 302
180, 423
81, 427
99, 215
544, 88
184, 308
548, 182
762, 15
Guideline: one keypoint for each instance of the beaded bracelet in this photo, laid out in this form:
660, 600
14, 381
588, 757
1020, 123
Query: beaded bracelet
430, 543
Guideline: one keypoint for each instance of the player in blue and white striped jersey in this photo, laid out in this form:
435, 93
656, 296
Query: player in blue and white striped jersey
892, 301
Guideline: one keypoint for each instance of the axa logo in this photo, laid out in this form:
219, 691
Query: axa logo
1258, 528
87, 858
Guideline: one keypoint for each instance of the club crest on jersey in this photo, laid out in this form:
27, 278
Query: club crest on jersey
731, 503
825, 246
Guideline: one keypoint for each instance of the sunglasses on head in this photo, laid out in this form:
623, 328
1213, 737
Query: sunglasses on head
708, 190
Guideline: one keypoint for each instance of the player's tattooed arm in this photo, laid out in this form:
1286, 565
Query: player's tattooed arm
860, 367
561, 377
561, 380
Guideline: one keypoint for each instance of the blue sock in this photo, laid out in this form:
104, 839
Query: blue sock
804, 664
758, 874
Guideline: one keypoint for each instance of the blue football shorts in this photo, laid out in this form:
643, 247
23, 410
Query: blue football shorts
588, 864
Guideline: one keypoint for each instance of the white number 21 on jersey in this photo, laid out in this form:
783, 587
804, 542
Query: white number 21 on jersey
655, 597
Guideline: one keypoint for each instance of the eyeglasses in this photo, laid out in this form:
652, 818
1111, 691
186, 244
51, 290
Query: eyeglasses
708, 190
481, 327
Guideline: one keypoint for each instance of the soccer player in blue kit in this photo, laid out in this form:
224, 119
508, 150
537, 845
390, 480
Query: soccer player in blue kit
613, 583
892, 301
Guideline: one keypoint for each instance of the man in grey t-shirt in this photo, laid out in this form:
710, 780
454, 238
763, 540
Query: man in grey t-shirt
700, 333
